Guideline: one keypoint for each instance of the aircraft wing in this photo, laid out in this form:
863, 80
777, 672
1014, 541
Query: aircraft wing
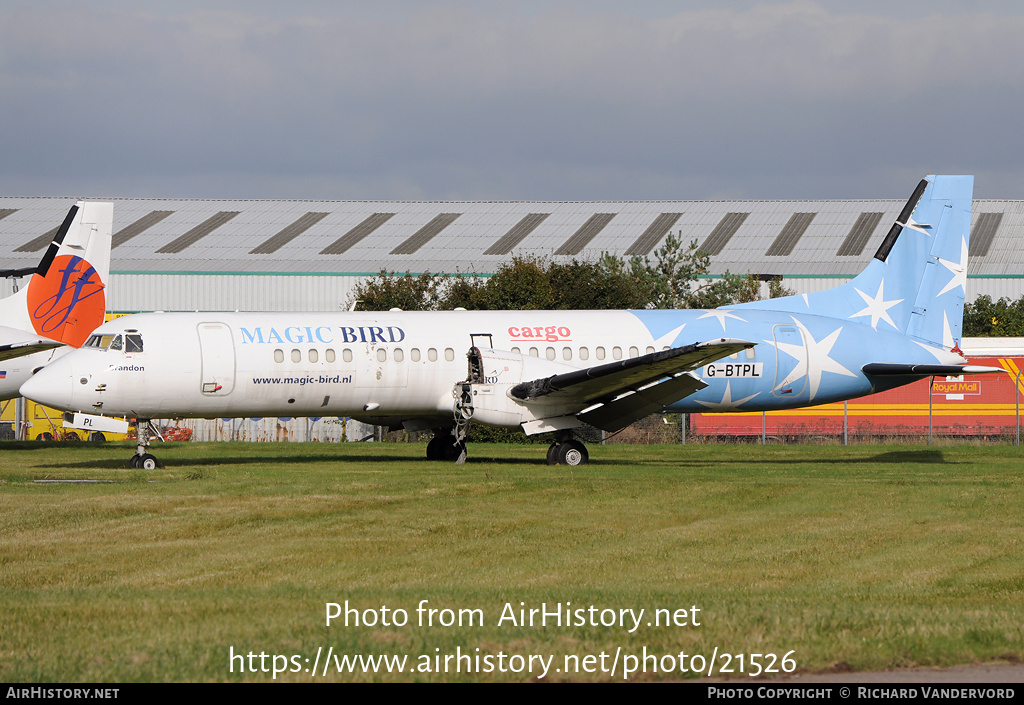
18, 343
630, 389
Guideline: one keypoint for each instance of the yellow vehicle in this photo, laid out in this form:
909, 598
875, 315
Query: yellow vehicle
36, 422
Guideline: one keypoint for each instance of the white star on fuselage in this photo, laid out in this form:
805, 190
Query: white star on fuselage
812, 358
959, 270
727, 402
877, 307
721, 315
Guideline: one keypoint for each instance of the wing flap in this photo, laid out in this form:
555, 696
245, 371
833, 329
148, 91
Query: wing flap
603, 383
621, 412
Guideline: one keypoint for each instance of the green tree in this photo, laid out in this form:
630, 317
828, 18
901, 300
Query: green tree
984, 317
677, 278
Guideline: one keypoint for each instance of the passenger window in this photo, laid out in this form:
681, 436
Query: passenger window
566, 353
516, 351
750, 353
329, 355
617, 352
449, 354
432, 354
314, 356
650, 349
549, 353
584, 354
279, 355
534, 352
116, 343
600, 353
414, 354
734, 356
399, 355
346, 355
296, 356
132, 342
633, 352
382, 355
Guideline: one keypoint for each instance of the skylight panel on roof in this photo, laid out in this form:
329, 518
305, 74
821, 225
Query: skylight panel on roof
199, 232
859, 234
790, 234
653, 234
289, 233
723, 232
517, 234
983, 233
587, 232
350, 239
139, 226
425, 234
38, 243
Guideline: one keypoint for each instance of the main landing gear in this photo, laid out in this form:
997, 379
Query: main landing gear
566, 450
444, 446
142, 460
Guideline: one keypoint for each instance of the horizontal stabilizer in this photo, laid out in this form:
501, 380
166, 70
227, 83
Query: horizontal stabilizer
889, 369
621, 412
603, 383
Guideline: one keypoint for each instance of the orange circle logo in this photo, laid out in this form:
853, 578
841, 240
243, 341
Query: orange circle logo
68, 303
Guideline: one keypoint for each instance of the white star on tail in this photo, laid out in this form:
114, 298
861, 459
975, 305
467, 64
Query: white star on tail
959, 270
877, 307
816, 361
727, 402
721, 315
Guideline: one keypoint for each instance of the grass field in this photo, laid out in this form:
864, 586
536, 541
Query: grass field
866, 557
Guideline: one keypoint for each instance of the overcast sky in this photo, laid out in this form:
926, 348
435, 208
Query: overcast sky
584, 100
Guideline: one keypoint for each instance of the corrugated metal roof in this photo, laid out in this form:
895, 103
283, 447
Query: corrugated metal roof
354, 237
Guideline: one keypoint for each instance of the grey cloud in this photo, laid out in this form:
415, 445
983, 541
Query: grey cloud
470, 100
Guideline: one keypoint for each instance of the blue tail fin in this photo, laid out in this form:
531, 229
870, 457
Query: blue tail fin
915, 284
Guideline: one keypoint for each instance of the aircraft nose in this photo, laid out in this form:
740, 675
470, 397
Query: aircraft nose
51, 386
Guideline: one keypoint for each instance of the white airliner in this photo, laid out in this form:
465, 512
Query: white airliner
64, 301
544, 371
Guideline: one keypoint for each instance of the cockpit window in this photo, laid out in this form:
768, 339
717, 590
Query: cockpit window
130, 342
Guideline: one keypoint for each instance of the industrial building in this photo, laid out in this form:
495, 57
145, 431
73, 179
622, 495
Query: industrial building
288, 255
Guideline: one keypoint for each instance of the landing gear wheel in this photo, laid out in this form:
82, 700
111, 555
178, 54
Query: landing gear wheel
134, 462
437, 445
453, 451
553, 454
571, 453
147, 462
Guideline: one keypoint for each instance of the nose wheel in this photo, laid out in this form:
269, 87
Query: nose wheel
143, 460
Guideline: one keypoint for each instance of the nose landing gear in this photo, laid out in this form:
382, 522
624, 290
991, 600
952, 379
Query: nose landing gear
142, 460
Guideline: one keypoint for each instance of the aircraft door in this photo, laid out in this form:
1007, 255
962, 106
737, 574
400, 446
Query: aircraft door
218, 356
790, 361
